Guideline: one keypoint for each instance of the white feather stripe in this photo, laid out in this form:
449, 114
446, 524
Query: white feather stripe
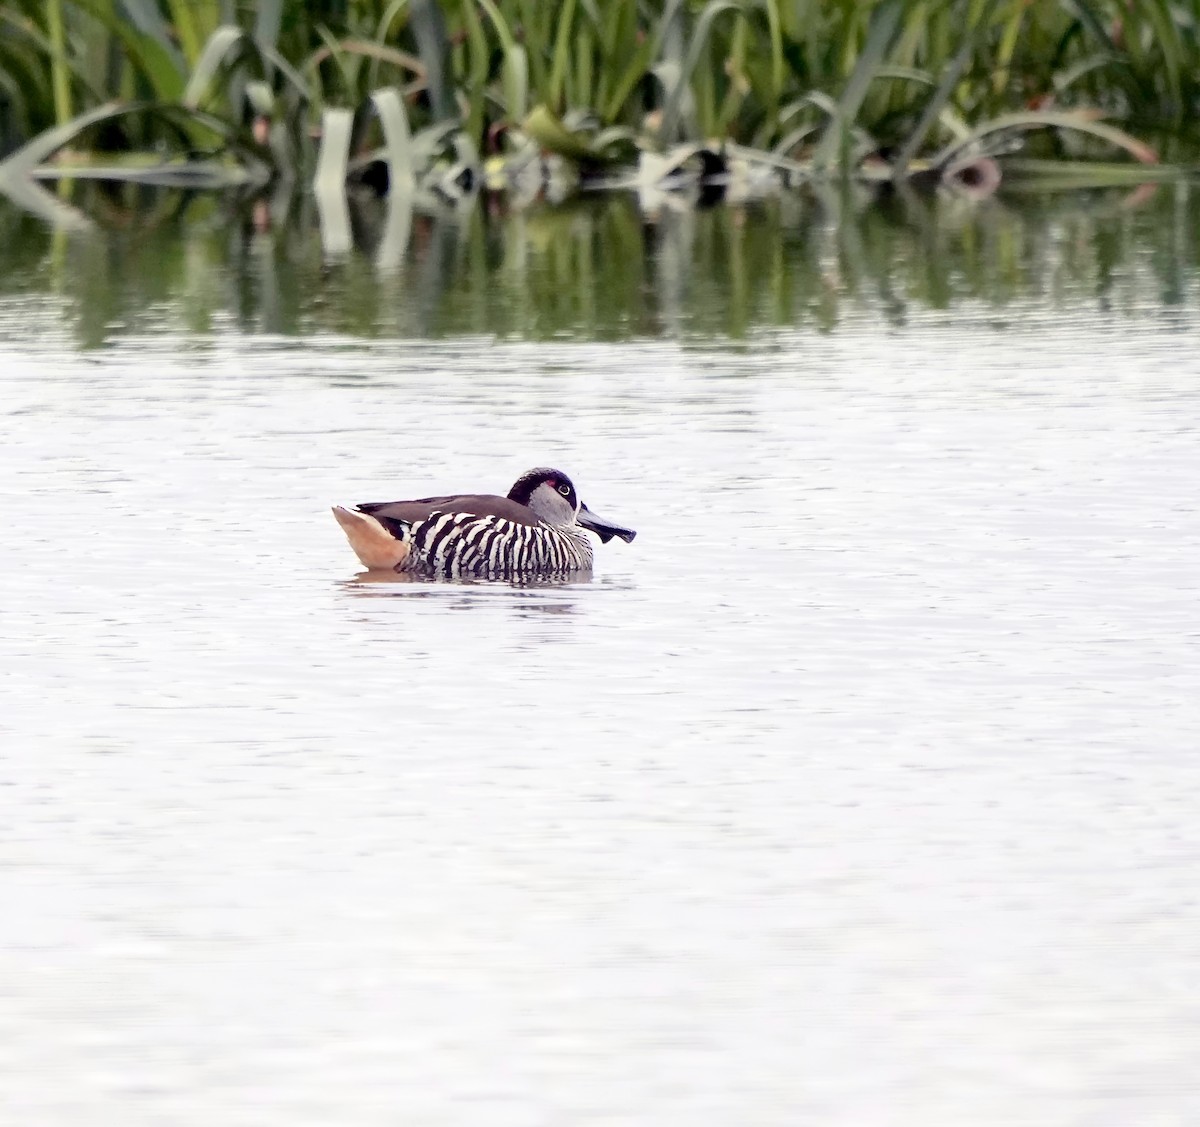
467, 544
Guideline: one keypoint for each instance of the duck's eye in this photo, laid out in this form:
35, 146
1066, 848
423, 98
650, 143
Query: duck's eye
565, 490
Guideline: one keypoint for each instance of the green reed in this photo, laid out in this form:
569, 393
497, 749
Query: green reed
254, 88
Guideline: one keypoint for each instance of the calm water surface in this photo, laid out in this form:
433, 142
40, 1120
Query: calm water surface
860, 789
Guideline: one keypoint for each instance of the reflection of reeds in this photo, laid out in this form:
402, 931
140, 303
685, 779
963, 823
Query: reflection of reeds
756, 94
597, 269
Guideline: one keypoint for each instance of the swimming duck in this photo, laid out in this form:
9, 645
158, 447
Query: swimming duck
539, 528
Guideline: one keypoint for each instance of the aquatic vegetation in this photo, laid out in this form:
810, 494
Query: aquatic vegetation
733, 97
598, 268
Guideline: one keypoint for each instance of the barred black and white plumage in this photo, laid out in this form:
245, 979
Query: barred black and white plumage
463, 544
538, 529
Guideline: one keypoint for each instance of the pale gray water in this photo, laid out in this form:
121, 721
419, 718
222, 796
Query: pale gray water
862, 788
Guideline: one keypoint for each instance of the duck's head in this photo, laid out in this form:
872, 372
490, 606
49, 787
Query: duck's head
551, 496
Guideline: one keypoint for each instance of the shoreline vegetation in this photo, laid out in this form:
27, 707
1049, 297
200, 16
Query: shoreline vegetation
705, 101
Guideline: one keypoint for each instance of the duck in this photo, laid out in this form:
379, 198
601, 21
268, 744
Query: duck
539, 528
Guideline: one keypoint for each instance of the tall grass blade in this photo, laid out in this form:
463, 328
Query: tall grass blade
143, 42
46, 144
1081, 121
530, 32
1018, 13
1089, 64
562, 55
516, 66
337, 129
187, 17
332, 49
478, 54
885, 19
933, 109
299, 85
671, 107
28, 160
366, 48
60, 75
268, 22
393, 119
1093, 22
221, 44
1166, 37
147, 18
394, 9
775, 27
433, 45
628, 78
794, 137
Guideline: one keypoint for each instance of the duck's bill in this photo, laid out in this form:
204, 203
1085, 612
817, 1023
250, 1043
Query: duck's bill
605, 529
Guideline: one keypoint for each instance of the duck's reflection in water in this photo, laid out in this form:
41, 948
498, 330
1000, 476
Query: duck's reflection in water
541, 594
